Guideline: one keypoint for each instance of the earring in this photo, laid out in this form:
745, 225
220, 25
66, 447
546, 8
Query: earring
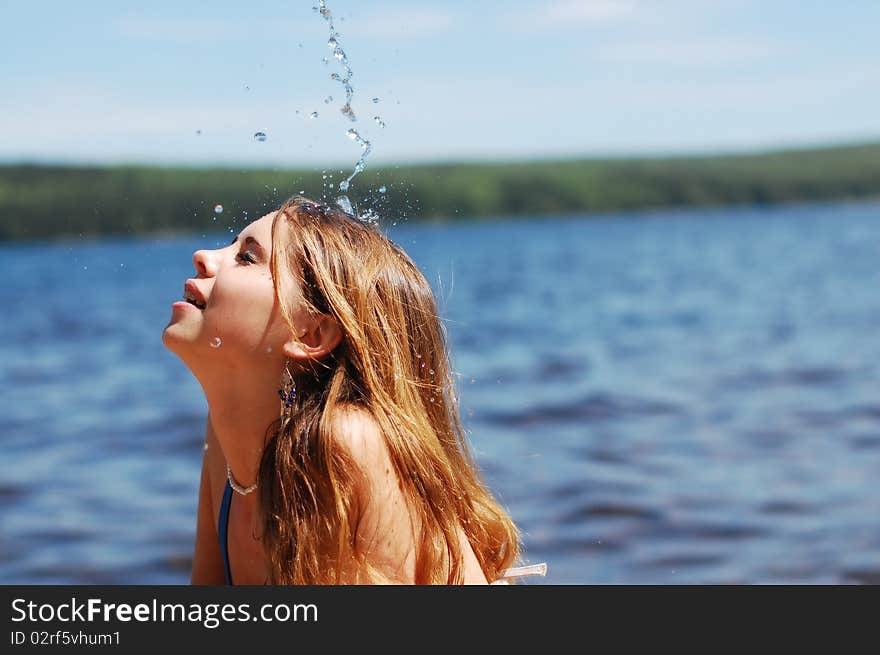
287, 392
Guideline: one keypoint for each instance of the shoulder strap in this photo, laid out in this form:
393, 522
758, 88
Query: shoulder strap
521, 572
222, 528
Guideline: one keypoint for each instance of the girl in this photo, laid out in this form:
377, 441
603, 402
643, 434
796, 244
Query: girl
334, 452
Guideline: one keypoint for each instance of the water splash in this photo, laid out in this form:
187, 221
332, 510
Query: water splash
348, 112
345, 80
366, 147
345, 203
370, 217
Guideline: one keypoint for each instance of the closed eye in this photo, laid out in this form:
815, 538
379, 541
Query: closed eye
247, 257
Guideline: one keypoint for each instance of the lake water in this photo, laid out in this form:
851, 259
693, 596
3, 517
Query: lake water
664, 397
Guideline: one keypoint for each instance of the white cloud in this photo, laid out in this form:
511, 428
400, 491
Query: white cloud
701, 53
399, 23
402, 23
589, 11
568, 14
201, 31
177, 30
87, 121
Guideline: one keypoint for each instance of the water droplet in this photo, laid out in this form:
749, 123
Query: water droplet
339, 53
345, 203
328, 100
370, 217
352, 133
260, 136
343, 186
379, 121
314, 114
218, 209
382, 189
216, 342
376, 101
347, 112
198, 132
325, 60
332, 43
431, 371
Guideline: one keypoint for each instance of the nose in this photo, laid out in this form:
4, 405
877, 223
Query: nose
205, 263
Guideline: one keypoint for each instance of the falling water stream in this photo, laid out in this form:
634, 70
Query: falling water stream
344, 79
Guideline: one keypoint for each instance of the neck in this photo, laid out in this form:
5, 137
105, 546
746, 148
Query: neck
239, 416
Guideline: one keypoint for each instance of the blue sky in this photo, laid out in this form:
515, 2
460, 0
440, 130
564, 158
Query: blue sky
133, 82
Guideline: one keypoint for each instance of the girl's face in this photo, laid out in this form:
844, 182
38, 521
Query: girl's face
228, 315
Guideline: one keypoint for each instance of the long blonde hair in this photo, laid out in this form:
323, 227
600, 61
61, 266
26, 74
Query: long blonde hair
392, 361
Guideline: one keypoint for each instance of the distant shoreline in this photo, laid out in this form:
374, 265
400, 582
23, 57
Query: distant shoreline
40, 201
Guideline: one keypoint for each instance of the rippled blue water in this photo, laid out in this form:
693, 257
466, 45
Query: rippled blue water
670, 397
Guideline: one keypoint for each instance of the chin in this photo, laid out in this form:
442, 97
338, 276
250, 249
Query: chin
183, 348
174, 340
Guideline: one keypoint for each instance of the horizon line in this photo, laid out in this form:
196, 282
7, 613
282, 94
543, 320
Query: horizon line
745, 151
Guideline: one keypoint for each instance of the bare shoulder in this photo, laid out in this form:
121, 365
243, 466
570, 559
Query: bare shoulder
356, 430
358, 433
387, 525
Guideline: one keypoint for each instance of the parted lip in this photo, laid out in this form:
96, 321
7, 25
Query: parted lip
192, 293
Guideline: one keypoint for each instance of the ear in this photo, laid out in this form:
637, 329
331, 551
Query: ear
321, 336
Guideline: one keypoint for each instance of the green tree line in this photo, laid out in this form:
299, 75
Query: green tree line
40, 201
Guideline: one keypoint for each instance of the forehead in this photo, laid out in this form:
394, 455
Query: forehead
260, 229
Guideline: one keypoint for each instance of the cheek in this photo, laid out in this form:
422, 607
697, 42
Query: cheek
244, 311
